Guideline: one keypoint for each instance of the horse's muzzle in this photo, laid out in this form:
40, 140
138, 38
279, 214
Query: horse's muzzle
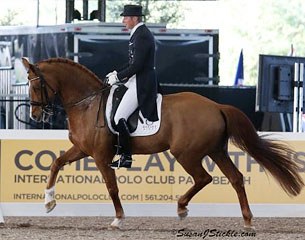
40, 116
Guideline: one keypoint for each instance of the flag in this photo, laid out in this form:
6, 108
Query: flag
239, 78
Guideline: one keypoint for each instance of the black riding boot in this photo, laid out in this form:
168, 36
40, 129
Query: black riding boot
124, 146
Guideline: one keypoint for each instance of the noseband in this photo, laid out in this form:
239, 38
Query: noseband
47, 106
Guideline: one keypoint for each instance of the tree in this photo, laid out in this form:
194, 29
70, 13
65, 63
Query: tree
155, 11
8, 19
260, 27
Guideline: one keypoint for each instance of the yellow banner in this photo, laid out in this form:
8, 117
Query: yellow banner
156, 178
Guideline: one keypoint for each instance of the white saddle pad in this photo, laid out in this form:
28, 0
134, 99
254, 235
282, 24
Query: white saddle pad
146, 128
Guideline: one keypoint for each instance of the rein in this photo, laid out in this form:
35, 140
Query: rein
90, 97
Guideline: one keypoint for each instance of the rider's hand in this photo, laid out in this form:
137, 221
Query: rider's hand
112, 79
111, 73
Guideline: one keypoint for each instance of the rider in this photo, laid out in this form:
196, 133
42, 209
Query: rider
139, 77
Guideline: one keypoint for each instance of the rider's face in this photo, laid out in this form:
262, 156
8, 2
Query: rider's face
130, 21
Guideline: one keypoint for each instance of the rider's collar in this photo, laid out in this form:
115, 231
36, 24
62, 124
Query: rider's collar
135, 28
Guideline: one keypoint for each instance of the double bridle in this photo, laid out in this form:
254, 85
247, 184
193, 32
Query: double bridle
47, 106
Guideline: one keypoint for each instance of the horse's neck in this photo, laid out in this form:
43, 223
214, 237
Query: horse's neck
75, 84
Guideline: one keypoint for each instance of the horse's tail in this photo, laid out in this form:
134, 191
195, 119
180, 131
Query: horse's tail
273, 156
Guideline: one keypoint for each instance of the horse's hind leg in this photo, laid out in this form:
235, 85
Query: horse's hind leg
235, 177
201, 179
73, 154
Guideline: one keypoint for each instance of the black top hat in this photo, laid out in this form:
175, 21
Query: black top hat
132, 10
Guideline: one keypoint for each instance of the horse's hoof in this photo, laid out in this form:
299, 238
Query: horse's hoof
50, 206
182, 214
117, 223
249, 228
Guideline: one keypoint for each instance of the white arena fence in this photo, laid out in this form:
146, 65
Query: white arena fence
13, 98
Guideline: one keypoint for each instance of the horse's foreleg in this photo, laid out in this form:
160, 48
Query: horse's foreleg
111, 184
192, 166
73, 154
235, 177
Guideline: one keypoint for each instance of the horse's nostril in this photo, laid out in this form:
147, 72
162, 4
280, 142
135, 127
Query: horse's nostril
35, 117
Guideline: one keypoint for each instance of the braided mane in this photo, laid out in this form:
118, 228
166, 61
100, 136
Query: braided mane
70, 62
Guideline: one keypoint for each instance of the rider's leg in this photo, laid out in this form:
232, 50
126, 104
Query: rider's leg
129, 102
125, 147
127, 106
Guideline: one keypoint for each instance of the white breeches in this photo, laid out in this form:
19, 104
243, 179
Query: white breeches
129, 102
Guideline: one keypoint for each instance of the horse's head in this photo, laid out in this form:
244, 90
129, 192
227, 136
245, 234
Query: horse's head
41, 93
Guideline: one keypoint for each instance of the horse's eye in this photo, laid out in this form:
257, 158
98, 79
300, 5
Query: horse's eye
36, 88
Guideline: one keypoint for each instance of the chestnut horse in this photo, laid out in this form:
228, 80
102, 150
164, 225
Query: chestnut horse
192, 127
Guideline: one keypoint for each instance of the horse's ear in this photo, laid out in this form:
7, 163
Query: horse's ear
26, 63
